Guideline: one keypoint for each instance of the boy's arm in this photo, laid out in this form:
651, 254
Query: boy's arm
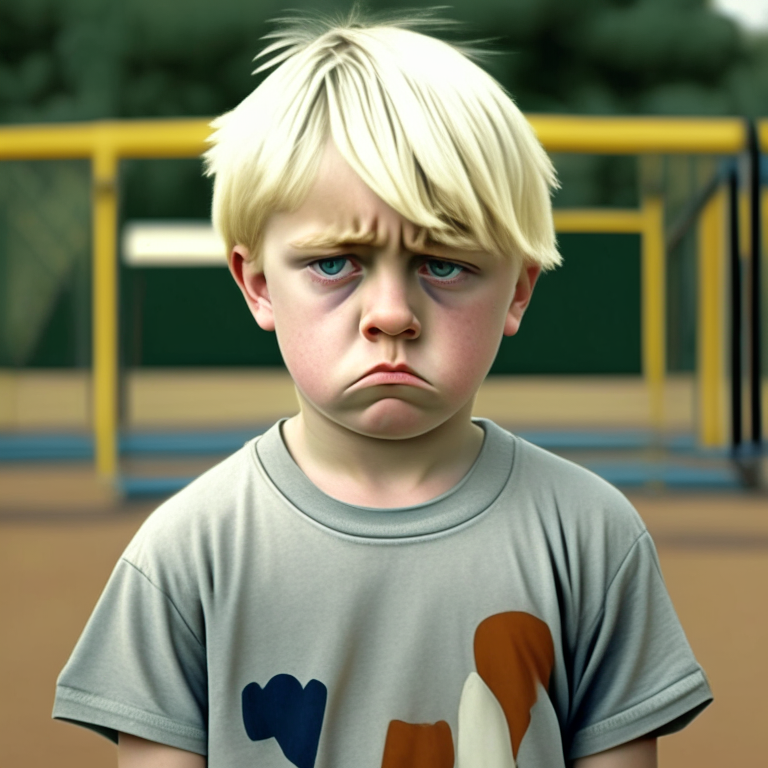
640, 753
133, 752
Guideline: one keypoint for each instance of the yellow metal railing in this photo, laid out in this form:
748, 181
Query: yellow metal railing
640, 135
710, 355
105, 143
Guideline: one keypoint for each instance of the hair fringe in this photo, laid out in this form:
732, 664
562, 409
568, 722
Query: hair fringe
443, 144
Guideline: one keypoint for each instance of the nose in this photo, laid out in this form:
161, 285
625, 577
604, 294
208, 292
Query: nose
388, 311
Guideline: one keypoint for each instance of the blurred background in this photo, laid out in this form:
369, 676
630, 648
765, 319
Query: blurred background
197, 377
75, 60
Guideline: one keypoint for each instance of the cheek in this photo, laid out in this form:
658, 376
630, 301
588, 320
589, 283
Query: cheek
311, 339
470, 338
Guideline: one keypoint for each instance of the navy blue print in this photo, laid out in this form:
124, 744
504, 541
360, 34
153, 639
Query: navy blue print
290, 714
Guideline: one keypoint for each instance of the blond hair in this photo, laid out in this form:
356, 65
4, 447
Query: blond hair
429, 131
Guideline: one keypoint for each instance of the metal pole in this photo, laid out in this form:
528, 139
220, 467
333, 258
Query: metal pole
654, 309
754, 288
735, 268
105, 363
711, 323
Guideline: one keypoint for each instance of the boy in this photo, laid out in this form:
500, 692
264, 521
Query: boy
381, 580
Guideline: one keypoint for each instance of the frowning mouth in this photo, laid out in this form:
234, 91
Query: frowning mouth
384, 373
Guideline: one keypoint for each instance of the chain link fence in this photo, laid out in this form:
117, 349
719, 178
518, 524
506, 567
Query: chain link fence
45, 254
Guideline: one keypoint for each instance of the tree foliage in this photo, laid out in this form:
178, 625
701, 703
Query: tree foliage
84, 59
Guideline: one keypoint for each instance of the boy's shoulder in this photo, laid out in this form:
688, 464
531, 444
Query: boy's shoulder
572, 498
200, 511
546, 472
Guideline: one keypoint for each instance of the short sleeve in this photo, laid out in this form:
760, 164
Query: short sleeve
634, 673
139, 667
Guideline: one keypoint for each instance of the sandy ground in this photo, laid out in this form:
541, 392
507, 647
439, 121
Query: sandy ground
714, 554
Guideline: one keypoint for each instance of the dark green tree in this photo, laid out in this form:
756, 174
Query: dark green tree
83, 59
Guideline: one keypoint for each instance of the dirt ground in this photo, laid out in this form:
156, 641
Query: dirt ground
713, 550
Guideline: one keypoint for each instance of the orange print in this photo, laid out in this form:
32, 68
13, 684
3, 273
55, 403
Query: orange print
420, 745
513, 652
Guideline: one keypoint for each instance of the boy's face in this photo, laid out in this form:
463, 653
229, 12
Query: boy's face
382, 335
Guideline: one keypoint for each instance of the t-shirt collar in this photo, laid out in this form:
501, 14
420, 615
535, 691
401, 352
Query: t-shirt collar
474, 493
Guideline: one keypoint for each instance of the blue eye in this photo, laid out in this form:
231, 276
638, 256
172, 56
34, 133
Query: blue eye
331, 267
443, 269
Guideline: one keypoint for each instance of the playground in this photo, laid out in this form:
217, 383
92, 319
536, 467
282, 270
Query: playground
659, 391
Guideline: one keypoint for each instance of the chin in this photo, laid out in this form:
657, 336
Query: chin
393, 419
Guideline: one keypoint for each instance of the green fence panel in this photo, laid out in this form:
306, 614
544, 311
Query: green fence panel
584, 317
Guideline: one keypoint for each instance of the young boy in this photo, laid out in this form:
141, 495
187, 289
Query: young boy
382, 580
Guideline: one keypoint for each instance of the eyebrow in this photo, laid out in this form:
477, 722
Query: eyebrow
334, 240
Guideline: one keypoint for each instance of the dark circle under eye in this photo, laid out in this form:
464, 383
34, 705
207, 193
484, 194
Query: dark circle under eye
331, 266
442, 268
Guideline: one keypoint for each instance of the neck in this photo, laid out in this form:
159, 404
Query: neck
375, 472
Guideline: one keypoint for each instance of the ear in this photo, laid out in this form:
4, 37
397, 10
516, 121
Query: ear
253, 285
523, 290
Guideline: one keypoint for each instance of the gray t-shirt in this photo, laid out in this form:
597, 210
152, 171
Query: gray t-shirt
518, 619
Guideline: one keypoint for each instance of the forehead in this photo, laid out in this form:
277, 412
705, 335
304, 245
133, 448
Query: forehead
340, 208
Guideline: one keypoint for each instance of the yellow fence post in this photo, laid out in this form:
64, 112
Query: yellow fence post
105, 360
711, 321
654, 307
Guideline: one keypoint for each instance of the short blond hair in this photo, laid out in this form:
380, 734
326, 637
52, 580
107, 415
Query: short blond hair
429, 131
